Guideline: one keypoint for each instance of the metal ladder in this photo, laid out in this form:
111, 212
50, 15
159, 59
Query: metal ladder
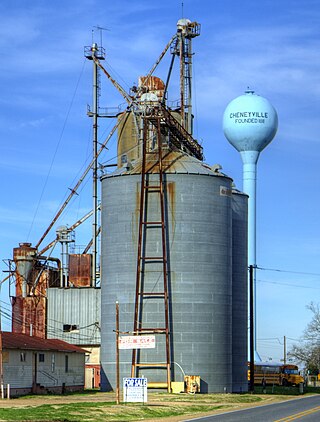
143, 259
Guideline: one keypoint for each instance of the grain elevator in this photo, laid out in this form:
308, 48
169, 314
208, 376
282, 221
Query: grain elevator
173, 235
174, 247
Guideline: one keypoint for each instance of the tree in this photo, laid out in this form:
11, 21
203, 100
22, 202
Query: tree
308, 351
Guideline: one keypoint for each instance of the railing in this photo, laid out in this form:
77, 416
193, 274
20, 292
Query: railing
51, 377
180, 137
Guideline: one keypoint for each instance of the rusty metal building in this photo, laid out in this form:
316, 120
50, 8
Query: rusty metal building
52, 304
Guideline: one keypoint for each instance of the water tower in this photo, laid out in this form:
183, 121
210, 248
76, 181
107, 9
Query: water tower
250, 123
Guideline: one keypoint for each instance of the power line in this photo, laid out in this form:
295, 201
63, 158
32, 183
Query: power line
286, 271
52, 328
56, 151
288, 284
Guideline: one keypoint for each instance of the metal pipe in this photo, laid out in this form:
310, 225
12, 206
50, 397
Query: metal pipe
181, 46
163, 101
189, 85
126, 96
252, 345
74, 190
159, 385
71, 228
117, 354
158, 60
46, 258
86, 249
250, 159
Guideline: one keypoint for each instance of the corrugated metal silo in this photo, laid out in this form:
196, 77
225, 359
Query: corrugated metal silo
239, 292
199, 213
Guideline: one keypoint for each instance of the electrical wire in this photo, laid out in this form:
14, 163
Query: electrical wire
287, 271
279, 283
56, 150
51, 325
53, 330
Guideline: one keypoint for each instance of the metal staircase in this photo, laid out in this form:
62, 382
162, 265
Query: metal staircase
177, 134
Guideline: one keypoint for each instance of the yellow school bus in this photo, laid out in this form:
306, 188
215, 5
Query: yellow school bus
276, 374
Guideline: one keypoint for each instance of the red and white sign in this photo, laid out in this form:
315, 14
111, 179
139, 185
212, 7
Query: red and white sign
137, 342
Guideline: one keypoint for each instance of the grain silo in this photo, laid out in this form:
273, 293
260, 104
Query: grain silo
173, 248
199, 214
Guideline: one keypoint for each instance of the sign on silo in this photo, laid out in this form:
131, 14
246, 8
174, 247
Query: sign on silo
137, 342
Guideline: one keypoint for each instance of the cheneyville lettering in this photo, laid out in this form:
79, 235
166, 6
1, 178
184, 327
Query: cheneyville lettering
250, 114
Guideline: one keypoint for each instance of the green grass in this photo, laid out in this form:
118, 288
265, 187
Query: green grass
160, 405
290, 391
211, 398
98, 412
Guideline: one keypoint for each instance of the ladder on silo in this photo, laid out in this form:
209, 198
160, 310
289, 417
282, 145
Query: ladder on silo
143, 259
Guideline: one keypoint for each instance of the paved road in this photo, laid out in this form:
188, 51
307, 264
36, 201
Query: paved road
305, 409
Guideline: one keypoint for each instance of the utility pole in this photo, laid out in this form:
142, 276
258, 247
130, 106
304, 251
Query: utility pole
252, 340
117, 355
284, 350
1, 358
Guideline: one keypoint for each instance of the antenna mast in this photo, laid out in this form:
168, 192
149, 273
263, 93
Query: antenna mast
92, 53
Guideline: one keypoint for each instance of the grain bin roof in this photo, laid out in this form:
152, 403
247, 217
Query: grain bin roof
172, 162
25, 342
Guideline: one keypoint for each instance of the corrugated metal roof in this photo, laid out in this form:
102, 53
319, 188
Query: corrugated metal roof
173, 162
25, 342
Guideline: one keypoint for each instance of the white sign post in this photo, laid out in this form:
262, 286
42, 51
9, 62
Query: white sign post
135, 390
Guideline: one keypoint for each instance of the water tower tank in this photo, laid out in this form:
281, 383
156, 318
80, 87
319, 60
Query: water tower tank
250, 122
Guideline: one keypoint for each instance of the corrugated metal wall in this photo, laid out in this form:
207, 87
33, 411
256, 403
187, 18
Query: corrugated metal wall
75, 307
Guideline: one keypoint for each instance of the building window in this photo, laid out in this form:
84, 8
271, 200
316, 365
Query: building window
67, 328
22, 356
66, 363
53, 362
41, 357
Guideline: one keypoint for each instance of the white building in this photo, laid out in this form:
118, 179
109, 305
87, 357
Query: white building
35, 365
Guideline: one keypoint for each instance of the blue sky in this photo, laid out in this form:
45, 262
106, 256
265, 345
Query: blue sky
45, 85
